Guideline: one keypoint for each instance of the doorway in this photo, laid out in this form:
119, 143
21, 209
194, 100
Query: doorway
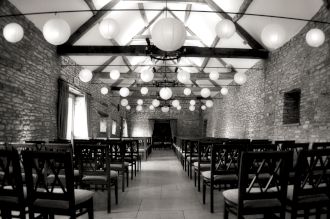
162, 135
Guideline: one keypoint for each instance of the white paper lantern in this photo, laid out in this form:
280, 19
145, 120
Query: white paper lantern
128, 107
175, 103
124, 91
183, 77
240, 78
179, 107
56, 31
124, 102
205, 92
144, 90
139, 102
85, 75
187, 91
151, 107
165, 109
168, 34
13, 32
315, 37
155, 103
224, 91
273, 36
214, 75
108, 28
209, 103
203, 107
192, 108
192, 102
225, 29
147, 75
165, 93
138, 108
104, 90
114, 74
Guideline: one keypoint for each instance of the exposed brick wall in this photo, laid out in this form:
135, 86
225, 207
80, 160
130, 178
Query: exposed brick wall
255, 110
29, 71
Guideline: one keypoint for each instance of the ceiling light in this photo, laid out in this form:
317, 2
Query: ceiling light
108, 28
315, 37
165, 109
147, 75
155, 103
56, 31
203, 107
179, 107
224, 91
138, 108
124, 102
165, 93
225, 29
85, 75
183, 77
13, 32
104, 90
168, 34
192, 108
240, 78
192, 102
214, 75
124, 91
187, 91
151, 107
114, 74
209, 103
128, 107
144, 90
273, 36
139, 102
205, 92
175, 103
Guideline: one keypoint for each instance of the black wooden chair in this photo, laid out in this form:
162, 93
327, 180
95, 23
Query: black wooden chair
57, 197
310, 189
191, 156
204, 161
321, 145
259, 196
12, 195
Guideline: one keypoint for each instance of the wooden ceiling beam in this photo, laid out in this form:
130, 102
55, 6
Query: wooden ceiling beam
168, 1
207, 59
245, 5
143, 14
174, 89
187, 13
327, 3
105, 64
91, 6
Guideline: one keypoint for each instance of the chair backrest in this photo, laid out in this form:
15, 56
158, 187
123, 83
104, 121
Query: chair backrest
58, 147
321, 145
262, 145
46, 163
295, 148
117, 151
264, 175
280, 143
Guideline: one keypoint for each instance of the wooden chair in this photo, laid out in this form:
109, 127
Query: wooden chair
12, 196
191, 156
57, 197
321, 145
204, 161
131, 154
259, 196
310, 189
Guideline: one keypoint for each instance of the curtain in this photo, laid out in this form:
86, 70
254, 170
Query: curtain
173, 123
62, 108
151, 126
88, 99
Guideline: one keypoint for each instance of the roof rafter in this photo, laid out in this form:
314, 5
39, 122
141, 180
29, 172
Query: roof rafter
206, 60
187, 14
327, 3
245, 5
143, 14
91, 6
162, 1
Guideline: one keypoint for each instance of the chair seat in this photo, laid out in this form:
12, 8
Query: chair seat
223, 178
231, 197
113, 175
118, 166
203, 166
80, 196
192, 159
11, 199
307, 199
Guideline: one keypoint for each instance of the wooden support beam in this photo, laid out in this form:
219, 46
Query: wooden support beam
187, 14
245, 5
116, 83
207, 59
143, 14
169, 1
105, 64
327, 3
91, 6
144, 37
174, 89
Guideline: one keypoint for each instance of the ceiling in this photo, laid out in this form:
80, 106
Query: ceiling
200, 28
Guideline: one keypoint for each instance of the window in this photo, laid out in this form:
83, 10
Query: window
125, 128
114, 127
291, 107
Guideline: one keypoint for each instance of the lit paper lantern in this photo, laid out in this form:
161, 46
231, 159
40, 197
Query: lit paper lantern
240, 78
205, 92
165, 93
144, 90
147, 75
155, 103
128, 107
124, 102
203, 107
108, 28
138, 108
315, 37
165, 109
183, 77
85, 75
187, 91
214, 75
192, 102
124, 92
224, 91
273, 36
13, 32
114, 74
151, 107
175, 103
225, 29
179, 107
192, 108
168, 34
56, 31
104, 90
209, 103
139, 102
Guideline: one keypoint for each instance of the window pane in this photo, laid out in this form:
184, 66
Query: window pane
80, 118
70, 117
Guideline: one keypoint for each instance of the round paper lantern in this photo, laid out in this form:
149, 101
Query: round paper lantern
175, 103
192, 108
192, 102
144, 90
224, 91
273, 36
179, 107
128, 107
147, 75
108, 28
114, 74
214, 75
225, 29
165, 93
124, 91
138, 108
315, 37
56, 31
85, 75
165, 109
104, 90
151, 107
139, 102
168, 34
183, 77
124, 102
13, 32
240, 78
203, 107
155, 103
205, 92
187, 91
209, 103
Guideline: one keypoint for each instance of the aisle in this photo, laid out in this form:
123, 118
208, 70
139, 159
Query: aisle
161, 191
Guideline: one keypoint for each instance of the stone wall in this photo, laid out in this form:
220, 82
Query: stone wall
255, 110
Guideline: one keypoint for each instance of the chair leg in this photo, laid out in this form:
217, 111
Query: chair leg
109, 197
293, 213
225, 214
211, 199
132, 171
135, 168
116, 191
195, 178
306, 213
123, 182
22, 214
199, 180
31, 214
204, 192
127, 176
90, 209
318, 213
